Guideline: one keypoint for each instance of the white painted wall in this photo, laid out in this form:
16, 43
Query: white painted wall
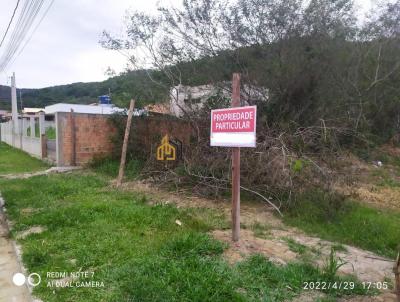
29, 144
197, 96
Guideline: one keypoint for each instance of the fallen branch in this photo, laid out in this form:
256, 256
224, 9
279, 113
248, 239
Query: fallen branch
244, 188
263, 197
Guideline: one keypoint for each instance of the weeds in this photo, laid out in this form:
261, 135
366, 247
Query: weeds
109, 166
346, 221
296, 247
332, 265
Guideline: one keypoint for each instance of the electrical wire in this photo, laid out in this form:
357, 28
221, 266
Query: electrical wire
9, 23
25, 21
32, 33
17, 32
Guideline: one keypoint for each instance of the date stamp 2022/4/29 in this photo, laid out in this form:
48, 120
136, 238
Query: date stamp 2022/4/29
343, 285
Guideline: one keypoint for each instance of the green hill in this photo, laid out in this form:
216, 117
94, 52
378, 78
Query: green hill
129, 85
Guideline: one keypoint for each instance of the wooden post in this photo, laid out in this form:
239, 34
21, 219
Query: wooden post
43, 138
125, 144
235, 166
396, 271
73, 138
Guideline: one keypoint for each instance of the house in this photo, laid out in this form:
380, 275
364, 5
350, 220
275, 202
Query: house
78, 108
4, 114
188, 99
32, 111
160, 108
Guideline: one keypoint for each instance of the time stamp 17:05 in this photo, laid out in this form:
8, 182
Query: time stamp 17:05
343, 285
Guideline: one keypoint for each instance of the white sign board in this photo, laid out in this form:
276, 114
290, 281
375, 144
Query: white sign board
234, 127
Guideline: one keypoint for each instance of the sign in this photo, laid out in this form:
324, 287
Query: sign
166, 151
234, 127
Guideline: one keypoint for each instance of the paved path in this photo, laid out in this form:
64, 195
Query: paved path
9, 265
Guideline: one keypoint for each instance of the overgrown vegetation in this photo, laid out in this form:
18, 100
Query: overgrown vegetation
136, 249
346, 221
322, 83
110, 166
320, 67
16, 161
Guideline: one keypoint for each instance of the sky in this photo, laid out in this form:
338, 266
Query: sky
65, 48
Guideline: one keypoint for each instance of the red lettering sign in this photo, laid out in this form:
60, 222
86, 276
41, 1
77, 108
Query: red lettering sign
234, 127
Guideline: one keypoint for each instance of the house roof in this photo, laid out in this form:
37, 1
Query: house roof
62, 107
158, 108
32, 110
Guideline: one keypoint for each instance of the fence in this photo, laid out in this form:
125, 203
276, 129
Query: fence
77, 138
29, 135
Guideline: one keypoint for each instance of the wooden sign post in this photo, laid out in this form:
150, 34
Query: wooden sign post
234, 127
235, 166
396, 271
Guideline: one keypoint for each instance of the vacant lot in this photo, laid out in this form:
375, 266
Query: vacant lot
137, 250
16, 161
92, 242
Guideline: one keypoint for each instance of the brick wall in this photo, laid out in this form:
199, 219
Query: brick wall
149, 130
93, 134
92, 137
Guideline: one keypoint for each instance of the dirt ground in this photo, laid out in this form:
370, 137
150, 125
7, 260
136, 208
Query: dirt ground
9, 265
263, 233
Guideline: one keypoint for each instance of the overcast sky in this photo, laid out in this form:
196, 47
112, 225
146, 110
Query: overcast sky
66, 49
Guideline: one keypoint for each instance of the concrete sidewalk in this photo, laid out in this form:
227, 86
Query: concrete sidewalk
9, 265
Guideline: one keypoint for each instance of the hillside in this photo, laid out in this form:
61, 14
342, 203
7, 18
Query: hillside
123, 88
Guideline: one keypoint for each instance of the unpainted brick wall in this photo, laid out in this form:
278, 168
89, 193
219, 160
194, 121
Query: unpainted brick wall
93, 133
150, 130
92, 137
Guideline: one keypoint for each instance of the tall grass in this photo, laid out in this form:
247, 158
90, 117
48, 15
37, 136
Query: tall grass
346, 221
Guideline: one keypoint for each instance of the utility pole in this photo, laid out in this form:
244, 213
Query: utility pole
14, 108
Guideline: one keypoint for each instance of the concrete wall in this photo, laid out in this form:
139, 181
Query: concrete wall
30, 144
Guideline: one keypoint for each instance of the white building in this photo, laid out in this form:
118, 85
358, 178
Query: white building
93, 109
187, 99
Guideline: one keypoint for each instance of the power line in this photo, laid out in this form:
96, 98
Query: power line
16, 34
25, 21
33, 32
9, 24
22, 30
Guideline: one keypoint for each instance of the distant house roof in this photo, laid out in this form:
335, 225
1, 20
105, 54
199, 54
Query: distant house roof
62, 107
161, 108
27, 110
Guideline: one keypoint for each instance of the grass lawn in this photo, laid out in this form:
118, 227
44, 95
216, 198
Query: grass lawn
16, 161
136, 249
348, 222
